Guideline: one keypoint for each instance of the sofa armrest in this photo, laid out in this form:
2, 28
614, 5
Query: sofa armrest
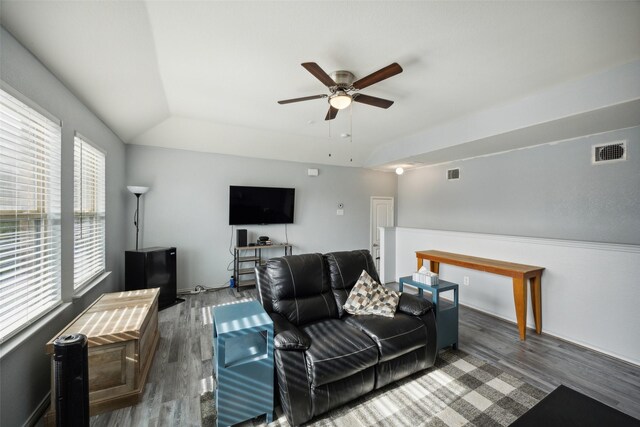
287, 336
291, 369
414, 305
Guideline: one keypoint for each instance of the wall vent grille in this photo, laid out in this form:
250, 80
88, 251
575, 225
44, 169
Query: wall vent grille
453, 173
609, 152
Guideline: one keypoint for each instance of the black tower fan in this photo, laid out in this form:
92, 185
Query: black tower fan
71, 375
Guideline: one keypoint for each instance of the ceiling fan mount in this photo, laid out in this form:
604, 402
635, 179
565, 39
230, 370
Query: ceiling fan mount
343, 79
344, 88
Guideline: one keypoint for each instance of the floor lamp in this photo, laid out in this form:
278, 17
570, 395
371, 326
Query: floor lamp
137, 191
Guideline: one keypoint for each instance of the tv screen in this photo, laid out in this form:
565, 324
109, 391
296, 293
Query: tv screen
260, 205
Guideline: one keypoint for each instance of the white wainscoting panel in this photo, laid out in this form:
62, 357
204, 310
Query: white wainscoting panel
590, 291
387, 271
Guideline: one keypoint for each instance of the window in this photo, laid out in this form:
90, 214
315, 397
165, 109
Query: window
89, 212
30, 252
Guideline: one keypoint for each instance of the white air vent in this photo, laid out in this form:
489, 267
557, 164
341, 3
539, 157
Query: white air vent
453, 173
609, 152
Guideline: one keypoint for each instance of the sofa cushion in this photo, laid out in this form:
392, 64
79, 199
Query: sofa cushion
368, 297
331, 395
393, 336
263, 287
300, 288
345, 269
337, 351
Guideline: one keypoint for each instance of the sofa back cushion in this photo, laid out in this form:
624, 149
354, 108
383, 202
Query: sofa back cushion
263, 285
345, 269
300, 289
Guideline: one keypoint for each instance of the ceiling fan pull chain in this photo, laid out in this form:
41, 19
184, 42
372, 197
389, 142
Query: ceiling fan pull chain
351, 125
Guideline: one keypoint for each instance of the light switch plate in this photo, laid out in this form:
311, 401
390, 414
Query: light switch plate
340, 212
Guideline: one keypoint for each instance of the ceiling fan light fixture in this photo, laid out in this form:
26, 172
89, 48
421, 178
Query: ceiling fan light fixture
340, 100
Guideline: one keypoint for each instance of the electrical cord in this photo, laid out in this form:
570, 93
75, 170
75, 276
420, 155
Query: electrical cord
229, 266
201, 289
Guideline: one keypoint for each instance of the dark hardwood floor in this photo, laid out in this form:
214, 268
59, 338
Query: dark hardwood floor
547, 362
181, 369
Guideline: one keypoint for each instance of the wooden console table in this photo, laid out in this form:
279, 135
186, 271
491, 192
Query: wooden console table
122, 332
520, 273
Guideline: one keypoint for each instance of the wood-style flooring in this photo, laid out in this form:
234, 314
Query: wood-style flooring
181, 369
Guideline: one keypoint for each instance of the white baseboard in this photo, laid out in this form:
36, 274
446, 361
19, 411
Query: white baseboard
36, 417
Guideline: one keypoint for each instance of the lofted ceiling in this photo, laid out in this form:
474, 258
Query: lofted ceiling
206, 75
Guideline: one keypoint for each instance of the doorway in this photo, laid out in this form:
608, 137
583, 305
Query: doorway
381, 216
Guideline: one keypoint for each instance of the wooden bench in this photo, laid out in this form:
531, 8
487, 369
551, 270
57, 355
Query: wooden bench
122, 332
520, 273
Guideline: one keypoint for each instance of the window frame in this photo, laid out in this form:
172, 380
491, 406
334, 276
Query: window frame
50, 216
79, 288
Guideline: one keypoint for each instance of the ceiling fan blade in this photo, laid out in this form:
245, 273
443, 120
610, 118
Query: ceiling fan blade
372, 100
381, 74
305, 98
319, 73
332, 113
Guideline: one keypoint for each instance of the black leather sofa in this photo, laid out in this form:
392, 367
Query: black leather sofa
325, 357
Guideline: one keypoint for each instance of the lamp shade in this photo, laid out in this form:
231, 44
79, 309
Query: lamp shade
136, 189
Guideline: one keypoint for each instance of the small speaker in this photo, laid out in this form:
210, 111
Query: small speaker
241, 237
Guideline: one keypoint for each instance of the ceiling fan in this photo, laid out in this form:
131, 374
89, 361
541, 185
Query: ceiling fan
344, 89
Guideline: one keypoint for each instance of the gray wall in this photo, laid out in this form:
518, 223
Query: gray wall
24, 367
546, 191
188, 206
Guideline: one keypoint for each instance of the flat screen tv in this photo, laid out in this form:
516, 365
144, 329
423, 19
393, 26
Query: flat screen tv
260, 205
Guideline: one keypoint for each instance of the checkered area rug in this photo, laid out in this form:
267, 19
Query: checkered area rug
460, 390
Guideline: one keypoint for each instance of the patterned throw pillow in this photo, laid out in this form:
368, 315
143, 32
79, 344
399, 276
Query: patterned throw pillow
369, 297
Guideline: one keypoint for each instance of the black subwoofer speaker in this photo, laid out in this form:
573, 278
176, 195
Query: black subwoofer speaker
71, 376
241, 237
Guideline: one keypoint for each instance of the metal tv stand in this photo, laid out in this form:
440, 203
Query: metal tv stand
245, 276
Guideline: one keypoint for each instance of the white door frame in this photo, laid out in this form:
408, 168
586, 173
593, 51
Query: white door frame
371, 219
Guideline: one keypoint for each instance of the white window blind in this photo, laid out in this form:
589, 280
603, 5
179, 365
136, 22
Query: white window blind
89, 212
30, 252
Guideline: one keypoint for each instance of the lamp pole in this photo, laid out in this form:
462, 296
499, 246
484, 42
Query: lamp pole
137, 191
135, 220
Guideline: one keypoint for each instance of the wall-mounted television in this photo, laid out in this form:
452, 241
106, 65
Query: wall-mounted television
260, 205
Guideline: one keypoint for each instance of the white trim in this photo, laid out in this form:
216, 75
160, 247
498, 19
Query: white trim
25, 100
77, 134
497, 153
603, 246
39, 412
89, 285
531, 330
393, 219
25, 334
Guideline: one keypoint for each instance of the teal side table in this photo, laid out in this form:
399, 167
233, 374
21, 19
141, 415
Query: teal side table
243, 362
446, 313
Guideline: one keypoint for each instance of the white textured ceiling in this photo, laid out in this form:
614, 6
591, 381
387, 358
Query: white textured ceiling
206, 75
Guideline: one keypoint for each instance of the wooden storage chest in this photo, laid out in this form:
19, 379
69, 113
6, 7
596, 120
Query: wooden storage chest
122, 332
